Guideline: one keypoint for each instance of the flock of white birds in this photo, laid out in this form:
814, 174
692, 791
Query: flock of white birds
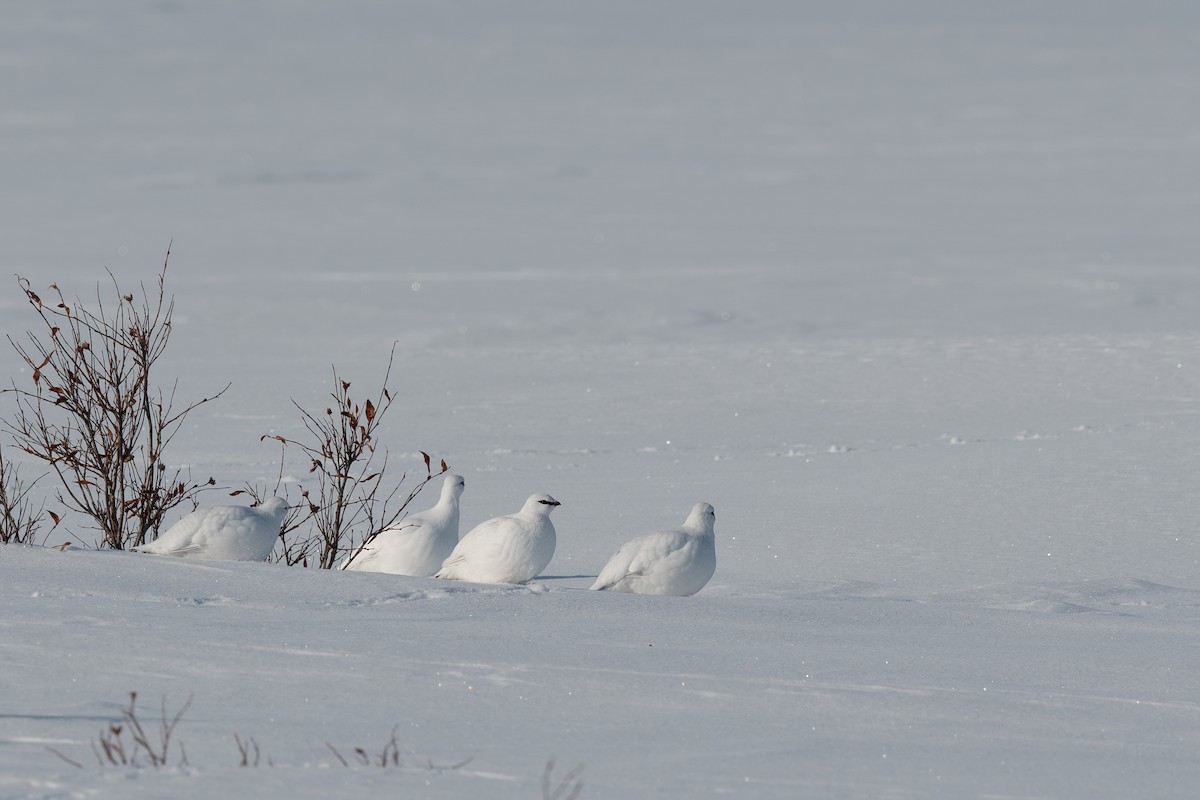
514, 548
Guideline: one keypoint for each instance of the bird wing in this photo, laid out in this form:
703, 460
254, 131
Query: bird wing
484, 543
638, 557
193, 532
179, 538
396, 543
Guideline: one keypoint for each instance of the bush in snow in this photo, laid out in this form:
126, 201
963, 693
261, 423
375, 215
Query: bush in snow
93, 413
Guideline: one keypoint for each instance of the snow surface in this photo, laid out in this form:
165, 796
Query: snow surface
908, 292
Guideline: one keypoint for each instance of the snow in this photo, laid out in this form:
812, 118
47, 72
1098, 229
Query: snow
909, 294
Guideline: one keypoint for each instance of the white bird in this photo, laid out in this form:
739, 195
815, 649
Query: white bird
419, 543
677, 562
510, 549
223, 533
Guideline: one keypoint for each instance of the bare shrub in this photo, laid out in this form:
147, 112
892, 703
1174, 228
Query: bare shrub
113, 749
93, 412
351, 500
20, 518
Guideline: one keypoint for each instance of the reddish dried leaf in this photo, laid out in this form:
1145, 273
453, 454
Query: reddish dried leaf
54, 517
445, 468
370, 412
428, 461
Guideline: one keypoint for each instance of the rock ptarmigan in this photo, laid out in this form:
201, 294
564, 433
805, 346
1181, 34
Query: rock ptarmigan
223, 533
677, 562
419, 543
509, 549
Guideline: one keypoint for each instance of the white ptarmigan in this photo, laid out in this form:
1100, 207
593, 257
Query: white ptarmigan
418, 544
510, 549
223, 533
675, 562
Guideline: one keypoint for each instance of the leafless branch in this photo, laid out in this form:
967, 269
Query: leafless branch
93, 413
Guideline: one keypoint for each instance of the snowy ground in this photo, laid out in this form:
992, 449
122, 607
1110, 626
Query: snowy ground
909, 295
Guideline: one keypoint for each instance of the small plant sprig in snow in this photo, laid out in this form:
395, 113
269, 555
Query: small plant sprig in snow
389, 756
113, 749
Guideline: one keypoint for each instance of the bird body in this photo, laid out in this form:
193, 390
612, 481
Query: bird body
223, 533
419, 543
509, 549
675, 562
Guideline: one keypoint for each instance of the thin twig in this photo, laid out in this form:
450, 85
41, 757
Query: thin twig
70, 761
333, 750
